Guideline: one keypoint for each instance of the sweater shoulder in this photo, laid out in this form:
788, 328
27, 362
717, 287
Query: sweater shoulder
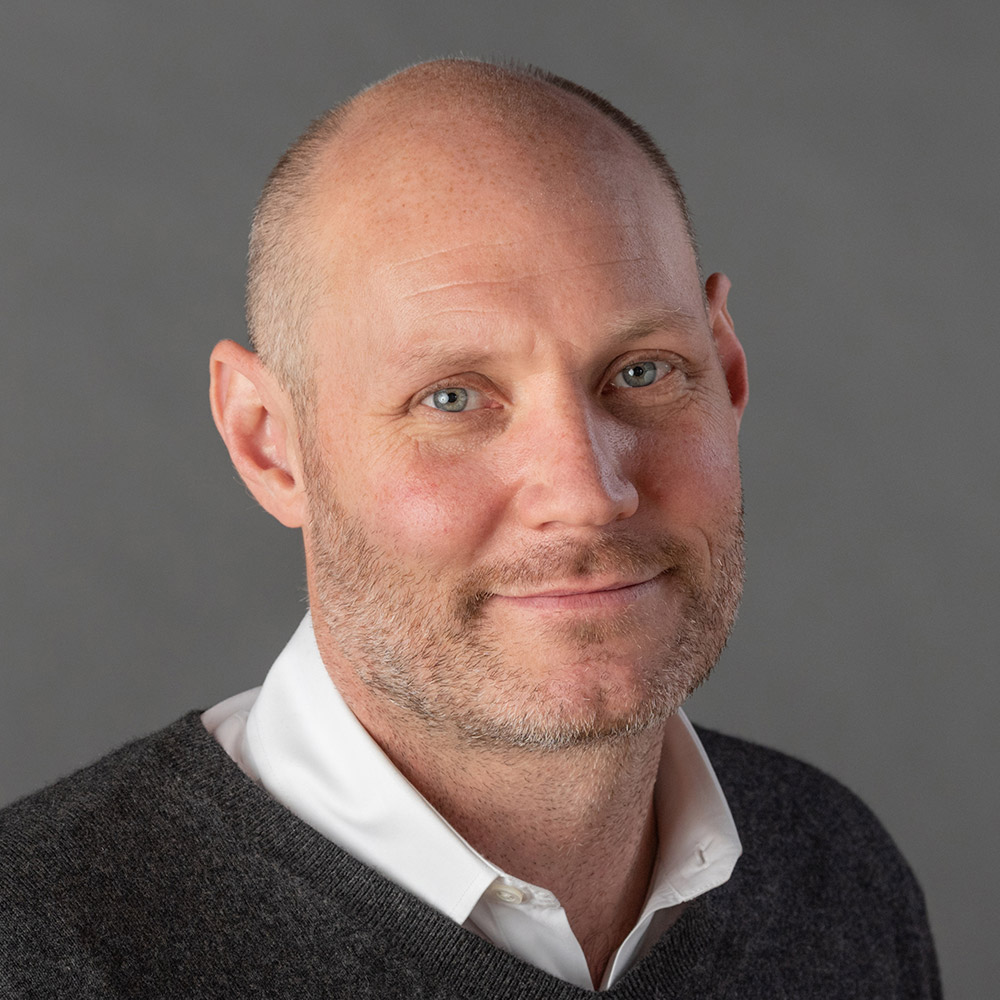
133, 770
820, 873
800, 826
58, 834
768, 787
83, 848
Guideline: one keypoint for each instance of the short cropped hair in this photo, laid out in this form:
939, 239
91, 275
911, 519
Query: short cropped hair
282, 280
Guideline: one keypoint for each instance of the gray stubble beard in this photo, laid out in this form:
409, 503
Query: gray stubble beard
449, 673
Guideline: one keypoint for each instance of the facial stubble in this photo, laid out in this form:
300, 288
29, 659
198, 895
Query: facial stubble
436, 656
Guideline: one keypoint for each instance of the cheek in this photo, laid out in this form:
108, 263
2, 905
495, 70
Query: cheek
437, 518
695, 474
421, 507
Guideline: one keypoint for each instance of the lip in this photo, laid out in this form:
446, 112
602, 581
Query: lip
588, 596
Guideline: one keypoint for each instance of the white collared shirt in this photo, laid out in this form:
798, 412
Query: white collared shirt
297, 738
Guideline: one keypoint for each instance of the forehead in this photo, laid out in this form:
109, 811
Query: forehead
448, 213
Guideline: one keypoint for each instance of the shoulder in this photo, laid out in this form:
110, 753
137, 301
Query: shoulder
819, 874
62, 835
84, 847
774, 796
122, 784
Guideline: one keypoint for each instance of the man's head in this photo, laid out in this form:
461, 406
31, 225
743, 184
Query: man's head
500, 405
282, 275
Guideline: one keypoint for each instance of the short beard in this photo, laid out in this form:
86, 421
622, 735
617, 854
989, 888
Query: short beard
437, 658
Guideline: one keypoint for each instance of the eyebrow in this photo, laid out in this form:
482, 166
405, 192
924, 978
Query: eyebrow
457, 359
634, 327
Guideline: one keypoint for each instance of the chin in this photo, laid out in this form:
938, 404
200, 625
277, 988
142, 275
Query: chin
561, 728
589, 703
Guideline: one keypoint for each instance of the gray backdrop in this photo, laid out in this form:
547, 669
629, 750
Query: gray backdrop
841, 162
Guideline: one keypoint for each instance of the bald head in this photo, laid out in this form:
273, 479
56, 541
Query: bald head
473, 119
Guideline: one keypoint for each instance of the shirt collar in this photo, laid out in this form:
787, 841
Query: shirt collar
307, 749
311, 753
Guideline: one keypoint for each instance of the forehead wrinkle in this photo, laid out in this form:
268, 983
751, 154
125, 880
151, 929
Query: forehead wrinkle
497, 245
623, 329
490, 282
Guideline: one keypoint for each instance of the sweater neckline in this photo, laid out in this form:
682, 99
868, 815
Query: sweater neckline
415, 932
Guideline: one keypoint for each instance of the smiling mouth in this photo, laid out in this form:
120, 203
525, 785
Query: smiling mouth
610, 595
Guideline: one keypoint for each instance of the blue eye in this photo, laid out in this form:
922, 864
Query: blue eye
641, 374
453, 399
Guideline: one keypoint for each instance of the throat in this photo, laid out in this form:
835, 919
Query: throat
581, 826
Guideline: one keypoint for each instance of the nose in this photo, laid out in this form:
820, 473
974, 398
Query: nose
574, 460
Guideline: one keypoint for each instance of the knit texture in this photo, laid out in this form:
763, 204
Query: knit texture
162, 871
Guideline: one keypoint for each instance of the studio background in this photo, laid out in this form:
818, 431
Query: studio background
841, 163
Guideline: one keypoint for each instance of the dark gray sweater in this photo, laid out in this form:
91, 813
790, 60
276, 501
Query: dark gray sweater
162, 871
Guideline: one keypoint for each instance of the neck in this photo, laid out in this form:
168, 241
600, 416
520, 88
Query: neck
577, 821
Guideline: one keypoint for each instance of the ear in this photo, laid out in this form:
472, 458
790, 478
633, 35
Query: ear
257, 421
734, 362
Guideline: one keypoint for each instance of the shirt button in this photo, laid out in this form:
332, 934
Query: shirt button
508, 894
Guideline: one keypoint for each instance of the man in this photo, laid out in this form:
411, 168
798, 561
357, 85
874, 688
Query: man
491, 389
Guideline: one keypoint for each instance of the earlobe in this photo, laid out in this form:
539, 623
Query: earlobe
734, 362
255, 417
